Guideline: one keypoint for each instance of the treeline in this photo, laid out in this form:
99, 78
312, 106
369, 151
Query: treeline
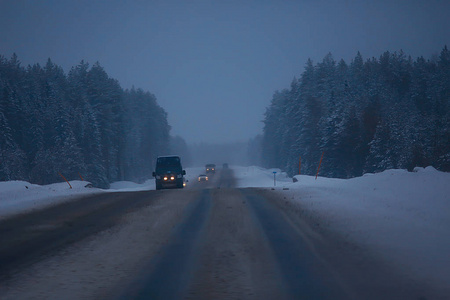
82, 124
366, 116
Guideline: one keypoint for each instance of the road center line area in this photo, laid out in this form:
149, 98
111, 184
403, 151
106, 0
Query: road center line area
232, 245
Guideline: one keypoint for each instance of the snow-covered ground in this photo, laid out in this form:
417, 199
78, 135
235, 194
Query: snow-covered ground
20, 196
404, 217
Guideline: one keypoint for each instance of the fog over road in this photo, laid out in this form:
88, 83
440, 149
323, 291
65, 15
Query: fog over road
207, 241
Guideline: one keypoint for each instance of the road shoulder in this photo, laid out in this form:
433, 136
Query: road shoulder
358, 268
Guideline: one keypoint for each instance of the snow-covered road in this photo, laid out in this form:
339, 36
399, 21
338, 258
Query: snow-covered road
402, 217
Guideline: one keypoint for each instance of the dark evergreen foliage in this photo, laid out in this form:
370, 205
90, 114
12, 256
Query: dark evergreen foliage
79, 124
367, 116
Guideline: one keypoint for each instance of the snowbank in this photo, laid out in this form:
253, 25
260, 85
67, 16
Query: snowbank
129, 186
20, 196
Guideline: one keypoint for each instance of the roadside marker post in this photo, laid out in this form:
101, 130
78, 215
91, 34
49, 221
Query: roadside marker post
65, 179
320, 162
274, 179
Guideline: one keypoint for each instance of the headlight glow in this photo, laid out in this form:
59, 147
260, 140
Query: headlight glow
165, 178
172, 178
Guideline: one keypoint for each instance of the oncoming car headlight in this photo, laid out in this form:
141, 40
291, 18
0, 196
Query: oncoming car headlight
165, 178
172, 177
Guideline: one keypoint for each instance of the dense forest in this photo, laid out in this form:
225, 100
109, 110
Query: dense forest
366, 116
79, 125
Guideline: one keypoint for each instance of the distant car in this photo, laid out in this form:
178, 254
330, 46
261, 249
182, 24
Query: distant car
210, 168
202, 177
225, 166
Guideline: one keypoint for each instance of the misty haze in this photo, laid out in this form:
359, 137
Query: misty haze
224, 149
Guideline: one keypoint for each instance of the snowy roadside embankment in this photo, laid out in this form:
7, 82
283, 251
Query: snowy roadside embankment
402, 216
18, 197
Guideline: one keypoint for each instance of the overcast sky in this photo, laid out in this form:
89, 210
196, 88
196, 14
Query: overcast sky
214, 65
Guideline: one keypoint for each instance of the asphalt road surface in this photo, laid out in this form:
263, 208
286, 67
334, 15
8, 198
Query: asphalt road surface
207, 241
